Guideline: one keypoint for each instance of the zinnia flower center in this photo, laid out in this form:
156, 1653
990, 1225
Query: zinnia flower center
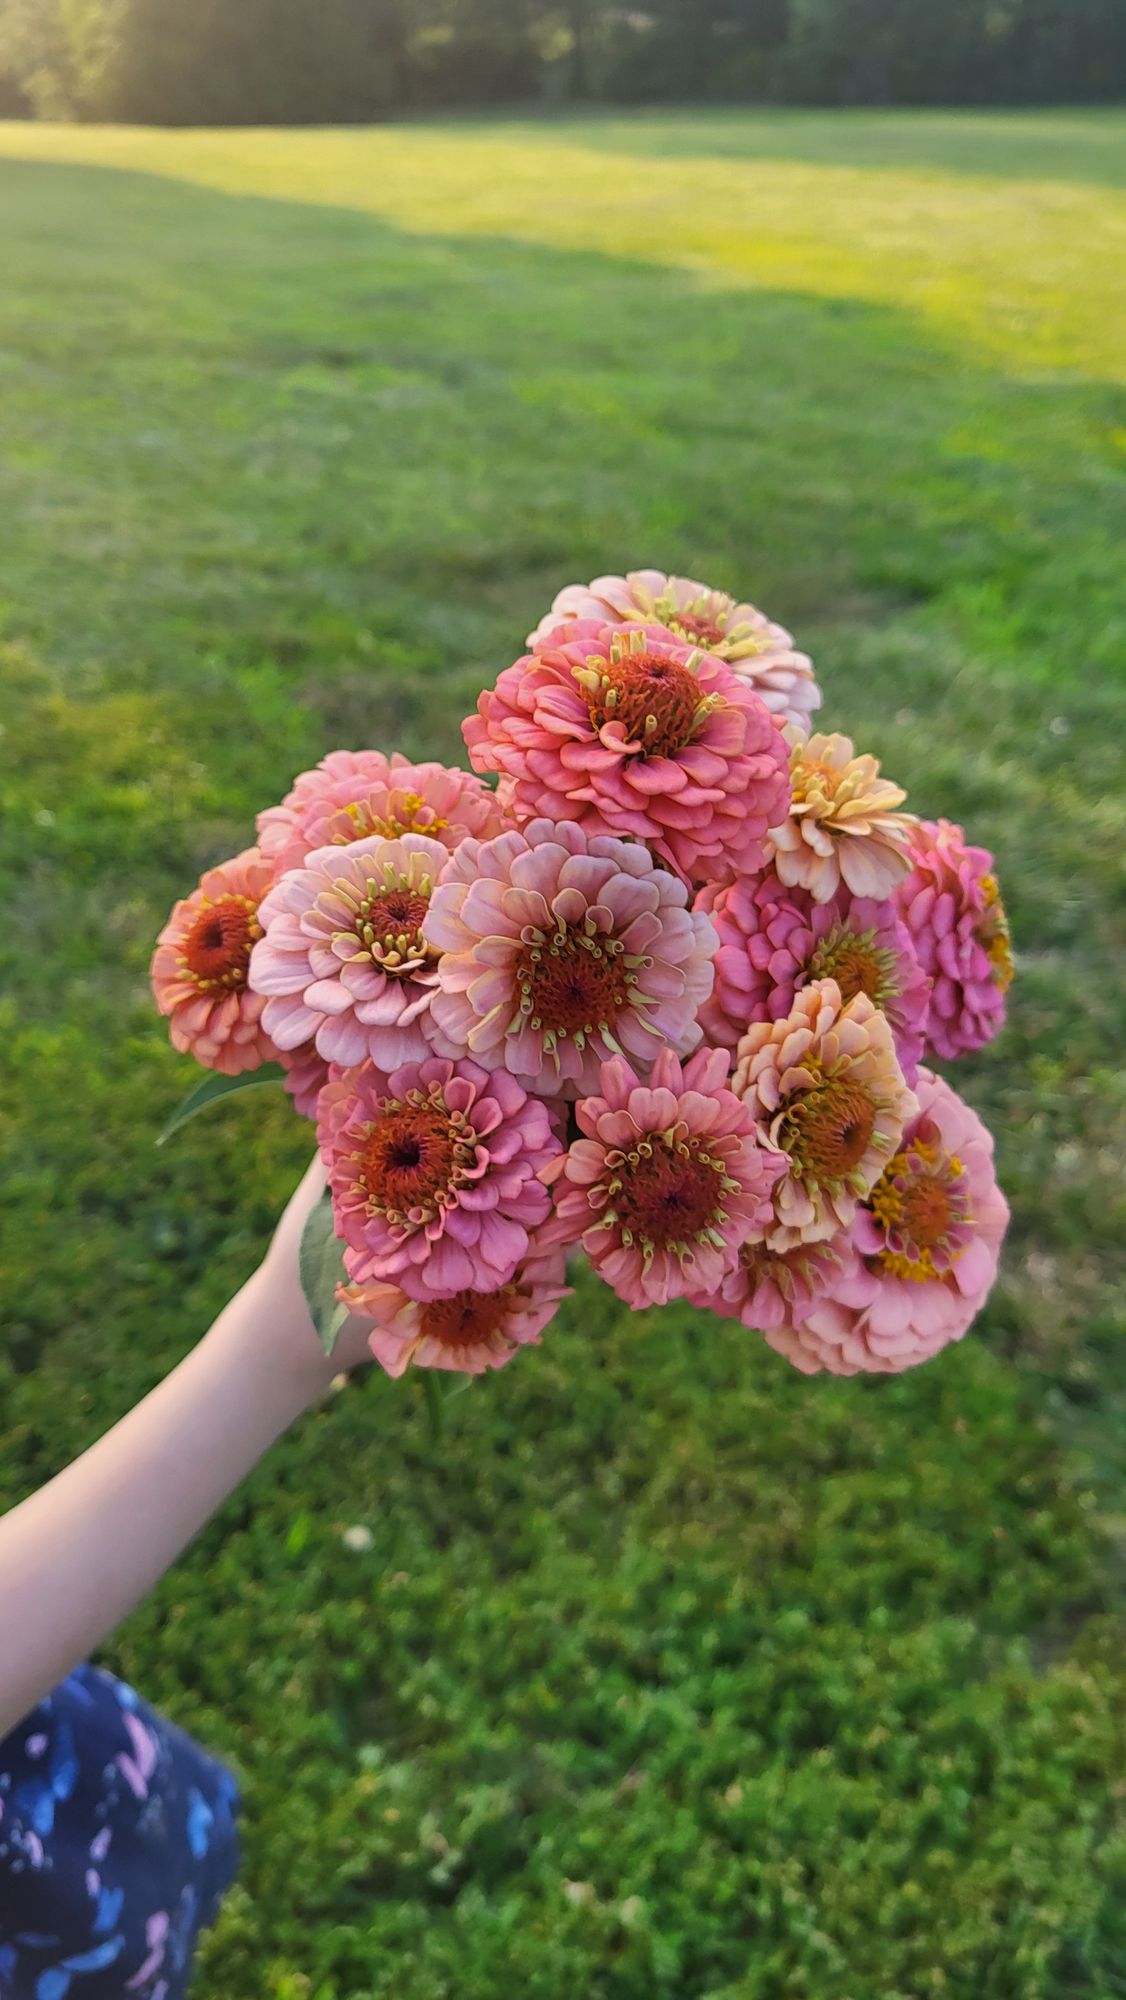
666, 1193
993, 932
216, 951
827, 1129
414, 1157
469, 1319
655, 701
857, 963
404, 812
921, 1201
704, 632
388, 923
570, 983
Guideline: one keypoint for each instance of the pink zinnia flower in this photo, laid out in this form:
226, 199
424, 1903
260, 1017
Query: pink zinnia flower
199, 968
343, 962
435, 1178
928, 1242
631, 732
355, 794
306, 1074
469, 1332
760, 652
770, 1288
826, 1089
668, 1180
560, 949
952, 908
773, 941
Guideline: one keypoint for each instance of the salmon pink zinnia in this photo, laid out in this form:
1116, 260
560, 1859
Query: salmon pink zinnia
469, 1332
355, 794
435, 1177
773, 941
952, 908
826, 1090
927, 1243
761, 652
200, 966
844, 823
631, 732
343, 962
667, 1181
560, 949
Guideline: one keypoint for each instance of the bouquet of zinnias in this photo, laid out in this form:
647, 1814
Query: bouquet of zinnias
663, 995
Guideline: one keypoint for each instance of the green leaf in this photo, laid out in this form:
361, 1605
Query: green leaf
321, 1263
215, 1087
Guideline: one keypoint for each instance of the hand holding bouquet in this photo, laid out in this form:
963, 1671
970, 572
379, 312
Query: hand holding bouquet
663, 995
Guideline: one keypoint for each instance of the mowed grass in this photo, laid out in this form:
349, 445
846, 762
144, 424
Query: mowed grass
668, 1673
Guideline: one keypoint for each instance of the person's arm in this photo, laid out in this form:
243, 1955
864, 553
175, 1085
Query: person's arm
78, 1555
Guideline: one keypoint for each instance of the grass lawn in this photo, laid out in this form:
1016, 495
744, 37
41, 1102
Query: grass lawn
670, 1673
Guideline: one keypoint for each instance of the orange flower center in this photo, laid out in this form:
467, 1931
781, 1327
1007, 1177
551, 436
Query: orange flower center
412, 1157
216, 951
993, 931
666, 1193
827, 1130
571, 984
656, 701
921, 1202
469, 1319
857, 963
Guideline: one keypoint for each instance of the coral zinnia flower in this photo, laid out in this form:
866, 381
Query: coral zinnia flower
434, 1178
199, 968
773, 941
632, 732
827, 1091
354, 794
952, 908
843, 823
343, 962
560, 949
469, 1332
761, 652
668, 1180
928, 1241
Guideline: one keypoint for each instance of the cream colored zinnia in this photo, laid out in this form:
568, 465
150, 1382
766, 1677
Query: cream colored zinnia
843, 823
827, 1091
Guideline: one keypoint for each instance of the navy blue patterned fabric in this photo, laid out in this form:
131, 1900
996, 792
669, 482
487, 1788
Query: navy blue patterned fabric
117, 1842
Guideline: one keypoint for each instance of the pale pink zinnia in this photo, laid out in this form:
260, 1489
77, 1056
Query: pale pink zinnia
199, 968
826, 1090
343, 962
435, 1177
469, 1332
770, 1288
631, 732
952, 908
561, 948
927, 1245
761, 652
773, 941
355, 794
667, 1181
843, 825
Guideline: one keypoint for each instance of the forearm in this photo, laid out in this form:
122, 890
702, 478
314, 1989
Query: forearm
77, 1556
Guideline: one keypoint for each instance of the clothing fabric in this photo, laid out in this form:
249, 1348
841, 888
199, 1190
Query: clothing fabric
117, 1844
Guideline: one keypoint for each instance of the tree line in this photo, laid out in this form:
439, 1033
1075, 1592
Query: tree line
207, 62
